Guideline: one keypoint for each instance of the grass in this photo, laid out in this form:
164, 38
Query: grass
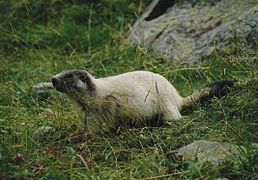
41, 38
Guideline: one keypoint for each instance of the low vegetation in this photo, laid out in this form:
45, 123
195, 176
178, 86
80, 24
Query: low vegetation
41, 136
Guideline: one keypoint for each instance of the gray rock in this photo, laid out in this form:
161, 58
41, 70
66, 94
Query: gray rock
189, 31
213, 152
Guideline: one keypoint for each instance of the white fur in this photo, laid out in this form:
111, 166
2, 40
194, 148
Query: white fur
147, 93
81, 85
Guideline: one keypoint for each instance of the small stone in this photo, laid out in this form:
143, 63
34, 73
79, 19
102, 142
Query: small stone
42, 131
213, 152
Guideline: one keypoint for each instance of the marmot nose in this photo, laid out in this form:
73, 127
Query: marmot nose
54, 81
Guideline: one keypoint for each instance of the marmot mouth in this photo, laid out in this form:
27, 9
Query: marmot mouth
60, 89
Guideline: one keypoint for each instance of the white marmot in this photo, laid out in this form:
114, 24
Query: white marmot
131, 98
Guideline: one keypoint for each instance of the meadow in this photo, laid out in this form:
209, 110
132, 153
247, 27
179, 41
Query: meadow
39, 38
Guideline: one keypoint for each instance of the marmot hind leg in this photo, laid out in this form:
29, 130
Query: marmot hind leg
170, 113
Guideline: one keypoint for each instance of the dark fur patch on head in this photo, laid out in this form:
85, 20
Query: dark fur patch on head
220, 88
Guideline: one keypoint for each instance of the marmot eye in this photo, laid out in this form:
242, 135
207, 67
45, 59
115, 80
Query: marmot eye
69, 76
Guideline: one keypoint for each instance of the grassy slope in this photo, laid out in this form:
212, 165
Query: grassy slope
41, 38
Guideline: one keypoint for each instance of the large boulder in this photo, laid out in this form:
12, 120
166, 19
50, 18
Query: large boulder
190, 30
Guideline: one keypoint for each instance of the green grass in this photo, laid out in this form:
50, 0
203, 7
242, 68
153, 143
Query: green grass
41, 38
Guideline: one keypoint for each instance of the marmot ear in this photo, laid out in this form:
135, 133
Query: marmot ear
87, 78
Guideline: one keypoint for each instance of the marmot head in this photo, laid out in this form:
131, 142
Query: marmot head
72, 82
